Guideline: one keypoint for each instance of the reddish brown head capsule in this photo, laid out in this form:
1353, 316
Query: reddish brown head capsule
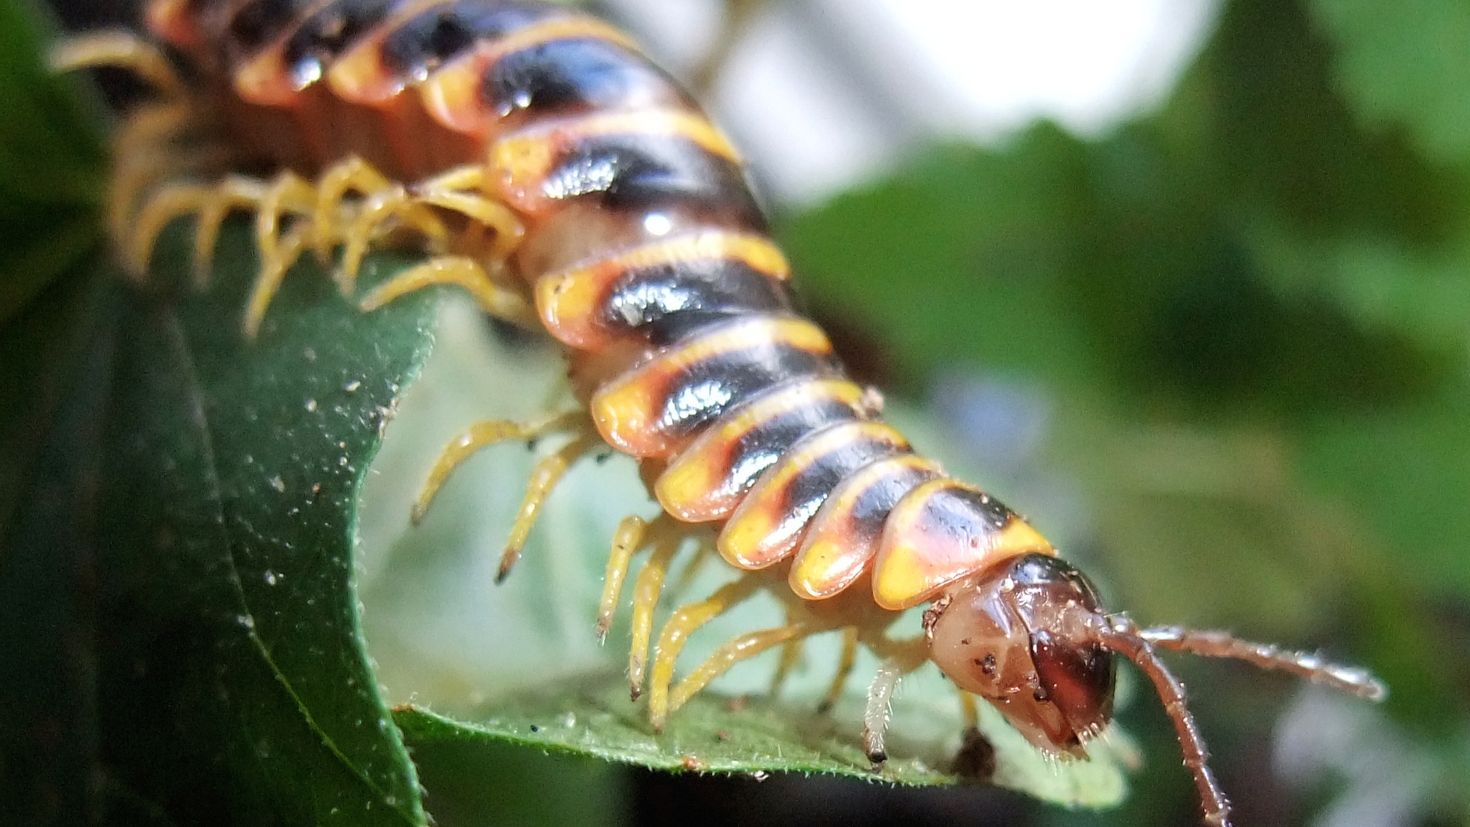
1021, 638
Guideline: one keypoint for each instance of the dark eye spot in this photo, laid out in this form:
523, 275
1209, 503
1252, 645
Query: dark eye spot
987, 665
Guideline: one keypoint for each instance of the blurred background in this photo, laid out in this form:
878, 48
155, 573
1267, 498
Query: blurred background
1195, 274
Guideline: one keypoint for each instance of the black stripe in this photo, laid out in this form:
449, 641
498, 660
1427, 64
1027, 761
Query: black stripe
259, 22
709, 388
427, 40
334, 29
814, 484
667, 302
645, 173
576, 75
768, 441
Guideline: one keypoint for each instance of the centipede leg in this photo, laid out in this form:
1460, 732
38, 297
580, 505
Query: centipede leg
147, 154
333, 224
351, 175
718, 663
287, 193
485, 212
633, 535
903, 660
845, 662
483, 435
969, 710
544, 478
210, 203
790, 657
272, 273
647, 591
685, 620
120, 49
232, 193
374, 213
458, 271
152, 133
877, 710
455, 191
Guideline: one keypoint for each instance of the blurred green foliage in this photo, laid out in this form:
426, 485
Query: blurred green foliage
1248, 313
51, 167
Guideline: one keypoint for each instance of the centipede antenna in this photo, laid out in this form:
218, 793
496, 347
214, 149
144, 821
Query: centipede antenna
1308, 665
1122, 636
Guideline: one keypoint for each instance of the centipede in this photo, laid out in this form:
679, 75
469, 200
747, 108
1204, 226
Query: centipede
543, 164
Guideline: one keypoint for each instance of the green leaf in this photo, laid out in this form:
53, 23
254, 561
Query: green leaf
1416, 293
712, 734
1409, 68
52, 392
215, 501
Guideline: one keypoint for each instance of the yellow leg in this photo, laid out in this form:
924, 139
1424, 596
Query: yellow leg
234, 192
351, 175
156, 126
483, 435
632, 536
969, 710
121, 49
646, 593
726, 656
211, 203
845, 663
790, 656
486, 212
376, 211
459, 271
544, 477
376, 214
334, 225
288, 193
468, 177
458, 190
141, 173
675, 634
691, 570
272, 273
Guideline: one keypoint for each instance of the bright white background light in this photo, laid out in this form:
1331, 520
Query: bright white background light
824, 93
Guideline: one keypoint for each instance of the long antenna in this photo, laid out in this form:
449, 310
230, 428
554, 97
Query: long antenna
1308, 665
1122, 636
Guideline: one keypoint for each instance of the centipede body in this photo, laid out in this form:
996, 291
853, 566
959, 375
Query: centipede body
549, 167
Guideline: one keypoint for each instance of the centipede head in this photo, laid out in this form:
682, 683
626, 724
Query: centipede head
1016, 636
1029, 637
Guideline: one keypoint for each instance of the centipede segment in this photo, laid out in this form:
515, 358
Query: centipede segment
545, 166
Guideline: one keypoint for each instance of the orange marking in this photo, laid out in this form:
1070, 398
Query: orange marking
697, 486
359, 74
838, 545
571, 302
765, 530
525, 158
627, 410
452, 93
264, 80
938, 533
172, 23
